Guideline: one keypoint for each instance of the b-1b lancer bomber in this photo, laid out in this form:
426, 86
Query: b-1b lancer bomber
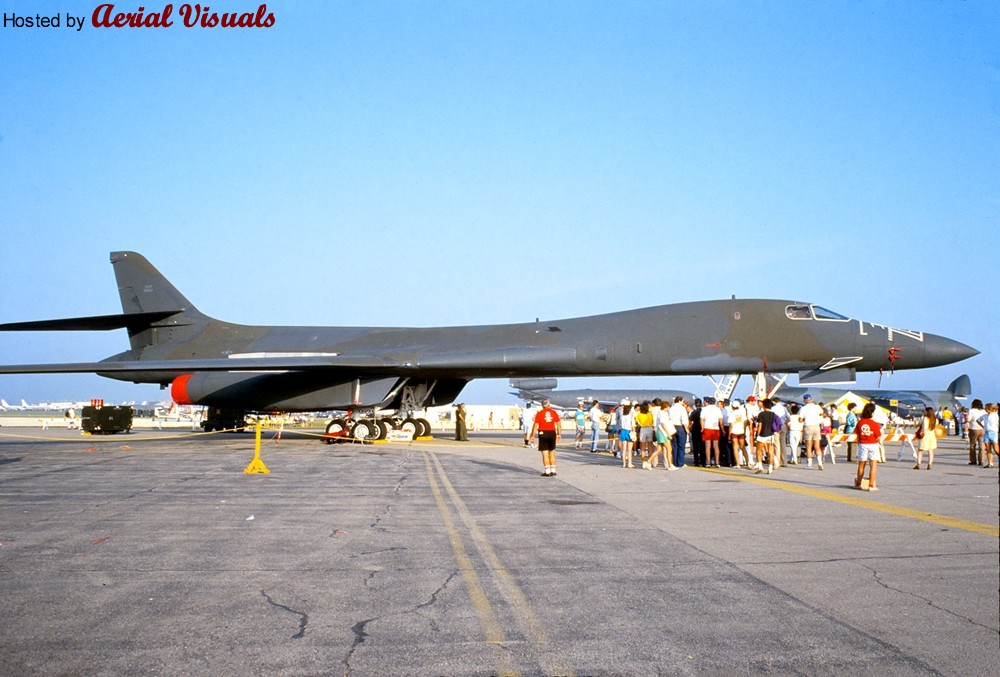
271, 369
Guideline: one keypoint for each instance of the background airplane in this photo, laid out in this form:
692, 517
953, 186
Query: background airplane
903, 402
537, 390
262, 368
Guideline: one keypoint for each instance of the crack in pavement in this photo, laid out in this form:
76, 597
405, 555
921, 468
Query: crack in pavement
303, 617
859, 559
359, 628
395, 492
885, 585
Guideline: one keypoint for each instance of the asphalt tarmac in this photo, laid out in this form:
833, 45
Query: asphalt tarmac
155, 553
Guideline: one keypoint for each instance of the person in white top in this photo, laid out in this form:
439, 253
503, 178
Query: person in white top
595, 415
812, 423
976, 432
737, 433
664, 430
794, 434
679, 417
778, 409
992, 433
711, 431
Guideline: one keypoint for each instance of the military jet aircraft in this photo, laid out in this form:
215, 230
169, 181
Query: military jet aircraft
902, 402
259, 368
539, 390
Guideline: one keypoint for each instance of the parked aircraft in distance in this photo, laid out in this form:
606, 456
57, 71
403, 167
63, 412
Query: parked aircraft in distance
538, 390
260, 368
903, 402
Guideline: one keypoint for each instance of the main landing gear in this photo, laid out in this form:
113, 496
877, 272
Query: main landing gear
370, 429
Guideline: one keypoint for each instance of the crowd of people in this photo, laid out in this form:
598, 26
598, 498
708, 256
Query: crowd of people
759, 435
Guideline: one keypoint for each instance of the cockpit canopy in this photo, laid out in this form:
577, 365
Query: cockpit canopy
812, 312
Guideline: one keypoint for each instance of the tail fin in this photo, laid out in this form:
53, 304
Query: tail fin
961, 387
155, 313
143, 289
145, 292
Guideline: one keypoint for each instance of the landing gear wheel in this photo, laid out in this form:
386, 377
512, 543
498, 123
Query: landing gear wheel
411, 426
335, 426
381, 430
425, 426
363, 430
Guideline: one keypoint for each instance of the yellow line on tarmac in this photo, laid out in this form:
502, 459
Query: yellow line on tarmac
488, 620
508, 584
944, 520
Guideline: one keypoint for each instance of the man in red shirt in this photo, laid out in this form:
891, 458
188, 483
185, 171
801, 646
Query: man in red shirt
548, 426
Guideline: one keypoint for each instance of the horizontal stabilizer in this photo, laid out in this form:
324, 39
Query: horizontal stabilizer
815, 377
93, 323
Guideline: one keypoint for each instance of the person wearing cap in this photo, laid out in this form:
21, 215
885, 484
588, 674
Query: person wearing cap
548, 426
812, 422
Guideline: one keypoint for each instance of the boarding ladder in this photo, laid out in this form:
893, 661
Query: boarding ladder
725, 386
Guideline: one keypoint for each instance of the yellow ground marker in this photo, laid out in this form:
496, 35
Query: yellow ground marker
944, 520
256, 465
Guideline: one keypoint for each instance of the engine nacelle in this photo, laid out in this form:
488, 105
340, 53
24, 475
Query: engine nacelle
534, 383
288, 391
308, 391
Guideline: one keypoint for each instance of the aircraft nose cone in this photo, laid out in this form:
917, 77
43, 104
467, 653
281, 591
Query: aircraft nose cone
939, 350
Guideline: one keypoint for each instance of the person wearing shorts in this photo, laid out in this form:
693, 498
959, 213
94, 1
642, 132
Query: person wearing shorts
869, 434
625, 424
711, 431
644, 422
765, 438
991, 434
549, 428
812, 421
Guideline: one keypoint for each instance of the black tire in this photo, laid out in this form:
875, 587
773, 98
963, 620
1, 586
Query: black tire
364, 429
336, 426
411, 426
425, 427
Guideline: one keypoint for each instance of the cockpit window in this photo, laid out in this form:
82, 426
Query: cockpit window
798, 312
822, 313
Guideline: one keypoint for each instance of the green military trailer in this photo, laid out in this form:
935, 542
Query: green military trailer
101, 420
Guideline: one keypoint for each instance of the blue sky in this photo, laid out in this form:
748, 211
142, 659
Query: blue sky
436, 163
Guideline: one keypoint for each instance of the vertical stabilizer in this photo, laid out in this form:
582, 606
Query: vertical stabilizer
143, 289
961, 387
